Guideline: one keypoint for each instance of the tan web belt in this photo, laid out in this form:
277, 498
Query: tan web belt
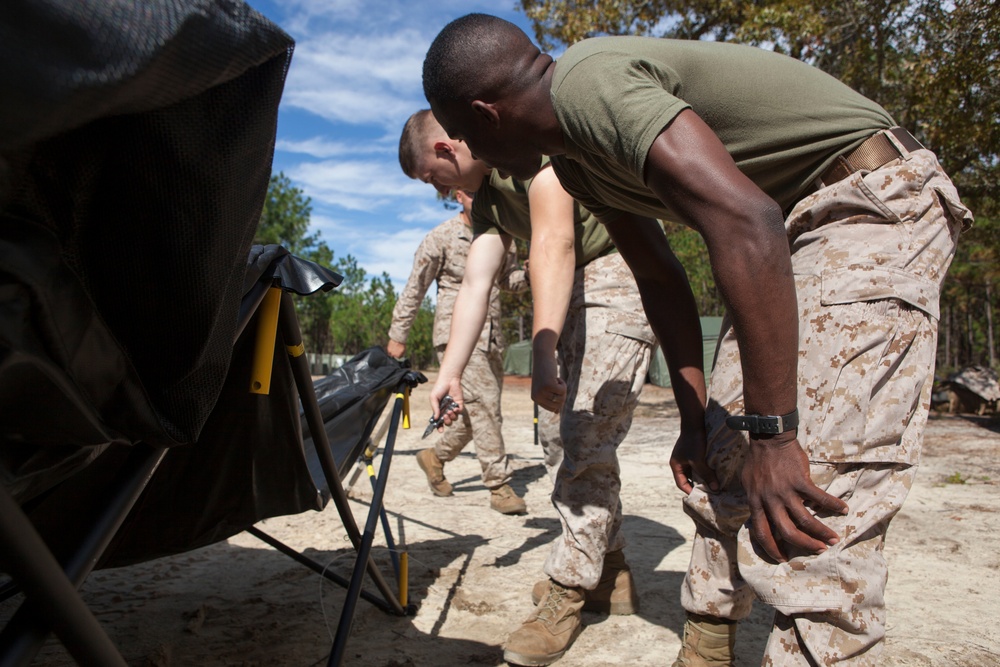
876, 151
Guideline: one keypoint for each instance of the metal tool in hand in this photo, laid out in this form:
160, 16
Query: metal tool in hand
447, 403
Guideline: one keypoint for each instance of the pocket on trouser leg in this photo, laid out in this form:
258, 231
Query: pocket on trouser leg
849, 575
612, 371
862, 388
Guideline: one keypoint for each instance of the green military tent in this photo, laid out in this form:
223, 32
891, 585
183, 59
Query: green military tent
710, 329
517, 359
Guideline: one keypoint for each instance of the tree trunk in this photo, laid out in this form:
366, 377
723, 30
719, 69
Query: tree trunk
989, 325
947, 337
970, 355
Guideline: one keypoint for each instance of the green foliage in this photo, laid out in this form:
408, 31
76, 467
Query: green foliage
315, 310
516, 308
420, 343
285, 218
955, 478
933, 65
362, 308
690, 249
362, 314
968, 302
352, 317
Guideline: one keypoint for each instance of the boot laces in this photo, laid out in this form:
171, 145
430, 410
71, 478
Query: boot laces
503, 492
548, 610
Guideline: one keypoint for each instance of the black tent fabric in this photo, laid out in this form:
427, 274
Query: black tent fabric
254, 460
255, 457
136, 141
140, 136
351, 398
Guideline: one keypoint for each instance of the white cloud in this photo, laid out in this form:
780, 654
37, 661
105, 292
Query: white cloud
322, 147
356, 72
361, 62
305, 17
358, 79
353, 184
389, 251
393, 253
431, 212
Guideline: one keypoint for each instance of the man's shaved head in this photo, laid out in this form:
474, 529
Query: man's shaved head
488, 86
471, 58
420, 130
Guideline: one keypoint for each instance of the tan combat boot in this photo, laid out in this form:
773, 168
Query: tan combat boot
550, 629
433, 467
506, 501
615, 592
708, 642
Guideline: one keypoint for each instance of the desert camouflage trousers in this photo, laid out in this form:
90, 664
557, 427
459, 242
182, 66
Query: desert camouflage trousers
480, 421
869, 255
603, 353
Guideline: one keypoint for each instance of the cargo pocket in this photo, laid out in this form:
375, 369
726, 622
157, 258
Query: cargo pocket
619, 367
869, 282
849, 575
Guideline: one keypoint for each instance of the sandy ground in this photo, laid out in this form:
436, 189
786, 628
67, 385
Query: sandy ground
471, 569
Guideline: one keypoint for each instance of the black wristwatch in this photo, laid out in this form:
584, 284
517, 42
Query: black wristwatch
764, 424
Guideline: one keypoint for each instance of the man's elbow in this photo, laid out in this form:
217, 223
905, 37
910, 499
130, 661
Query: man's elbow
756, 231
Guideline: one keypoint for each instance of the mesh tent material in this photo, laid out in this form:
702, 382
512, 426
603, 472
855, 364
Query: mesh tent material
136, 141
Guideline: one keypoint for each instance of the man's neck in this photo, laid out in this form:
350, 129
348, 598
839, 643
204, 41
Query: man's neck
547, 125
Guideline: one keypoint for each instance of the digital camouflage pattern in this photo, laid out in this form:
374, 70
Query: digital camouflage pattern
603, 352
869, 255
441, 257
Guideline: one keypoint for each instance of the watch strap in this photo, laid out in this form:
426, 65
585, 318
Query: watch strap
764, 424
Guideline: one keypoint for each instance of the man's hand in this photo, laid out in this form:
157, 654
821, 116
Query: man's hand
688, 464
778, 487
447, 385
547, 390
395, 349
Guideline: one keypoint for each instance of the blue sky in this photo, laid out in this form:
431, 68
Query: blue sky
353, 82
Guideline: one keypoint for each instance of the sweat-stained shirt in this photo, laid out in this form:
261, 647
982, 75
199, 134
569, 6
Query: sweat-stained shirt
783, 121
441, 257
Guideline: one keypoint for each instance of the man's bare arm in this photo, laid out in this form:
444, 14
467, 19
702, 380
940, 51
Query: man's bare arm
690, 170
553, 263
486, 256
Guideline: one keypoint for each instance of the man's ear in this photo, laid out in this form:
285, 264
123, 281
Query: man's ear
487, 111
442, 146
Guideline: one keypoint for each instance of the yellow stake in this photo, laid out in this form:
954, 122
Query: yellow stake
404, 574
406, 407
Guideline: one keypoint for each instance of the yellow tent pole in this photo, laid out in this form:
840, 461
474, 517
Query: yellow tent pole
267, 331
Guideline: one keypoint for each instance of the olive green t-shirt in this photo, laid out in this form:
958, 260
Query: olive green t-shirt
501, 205
783, 121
